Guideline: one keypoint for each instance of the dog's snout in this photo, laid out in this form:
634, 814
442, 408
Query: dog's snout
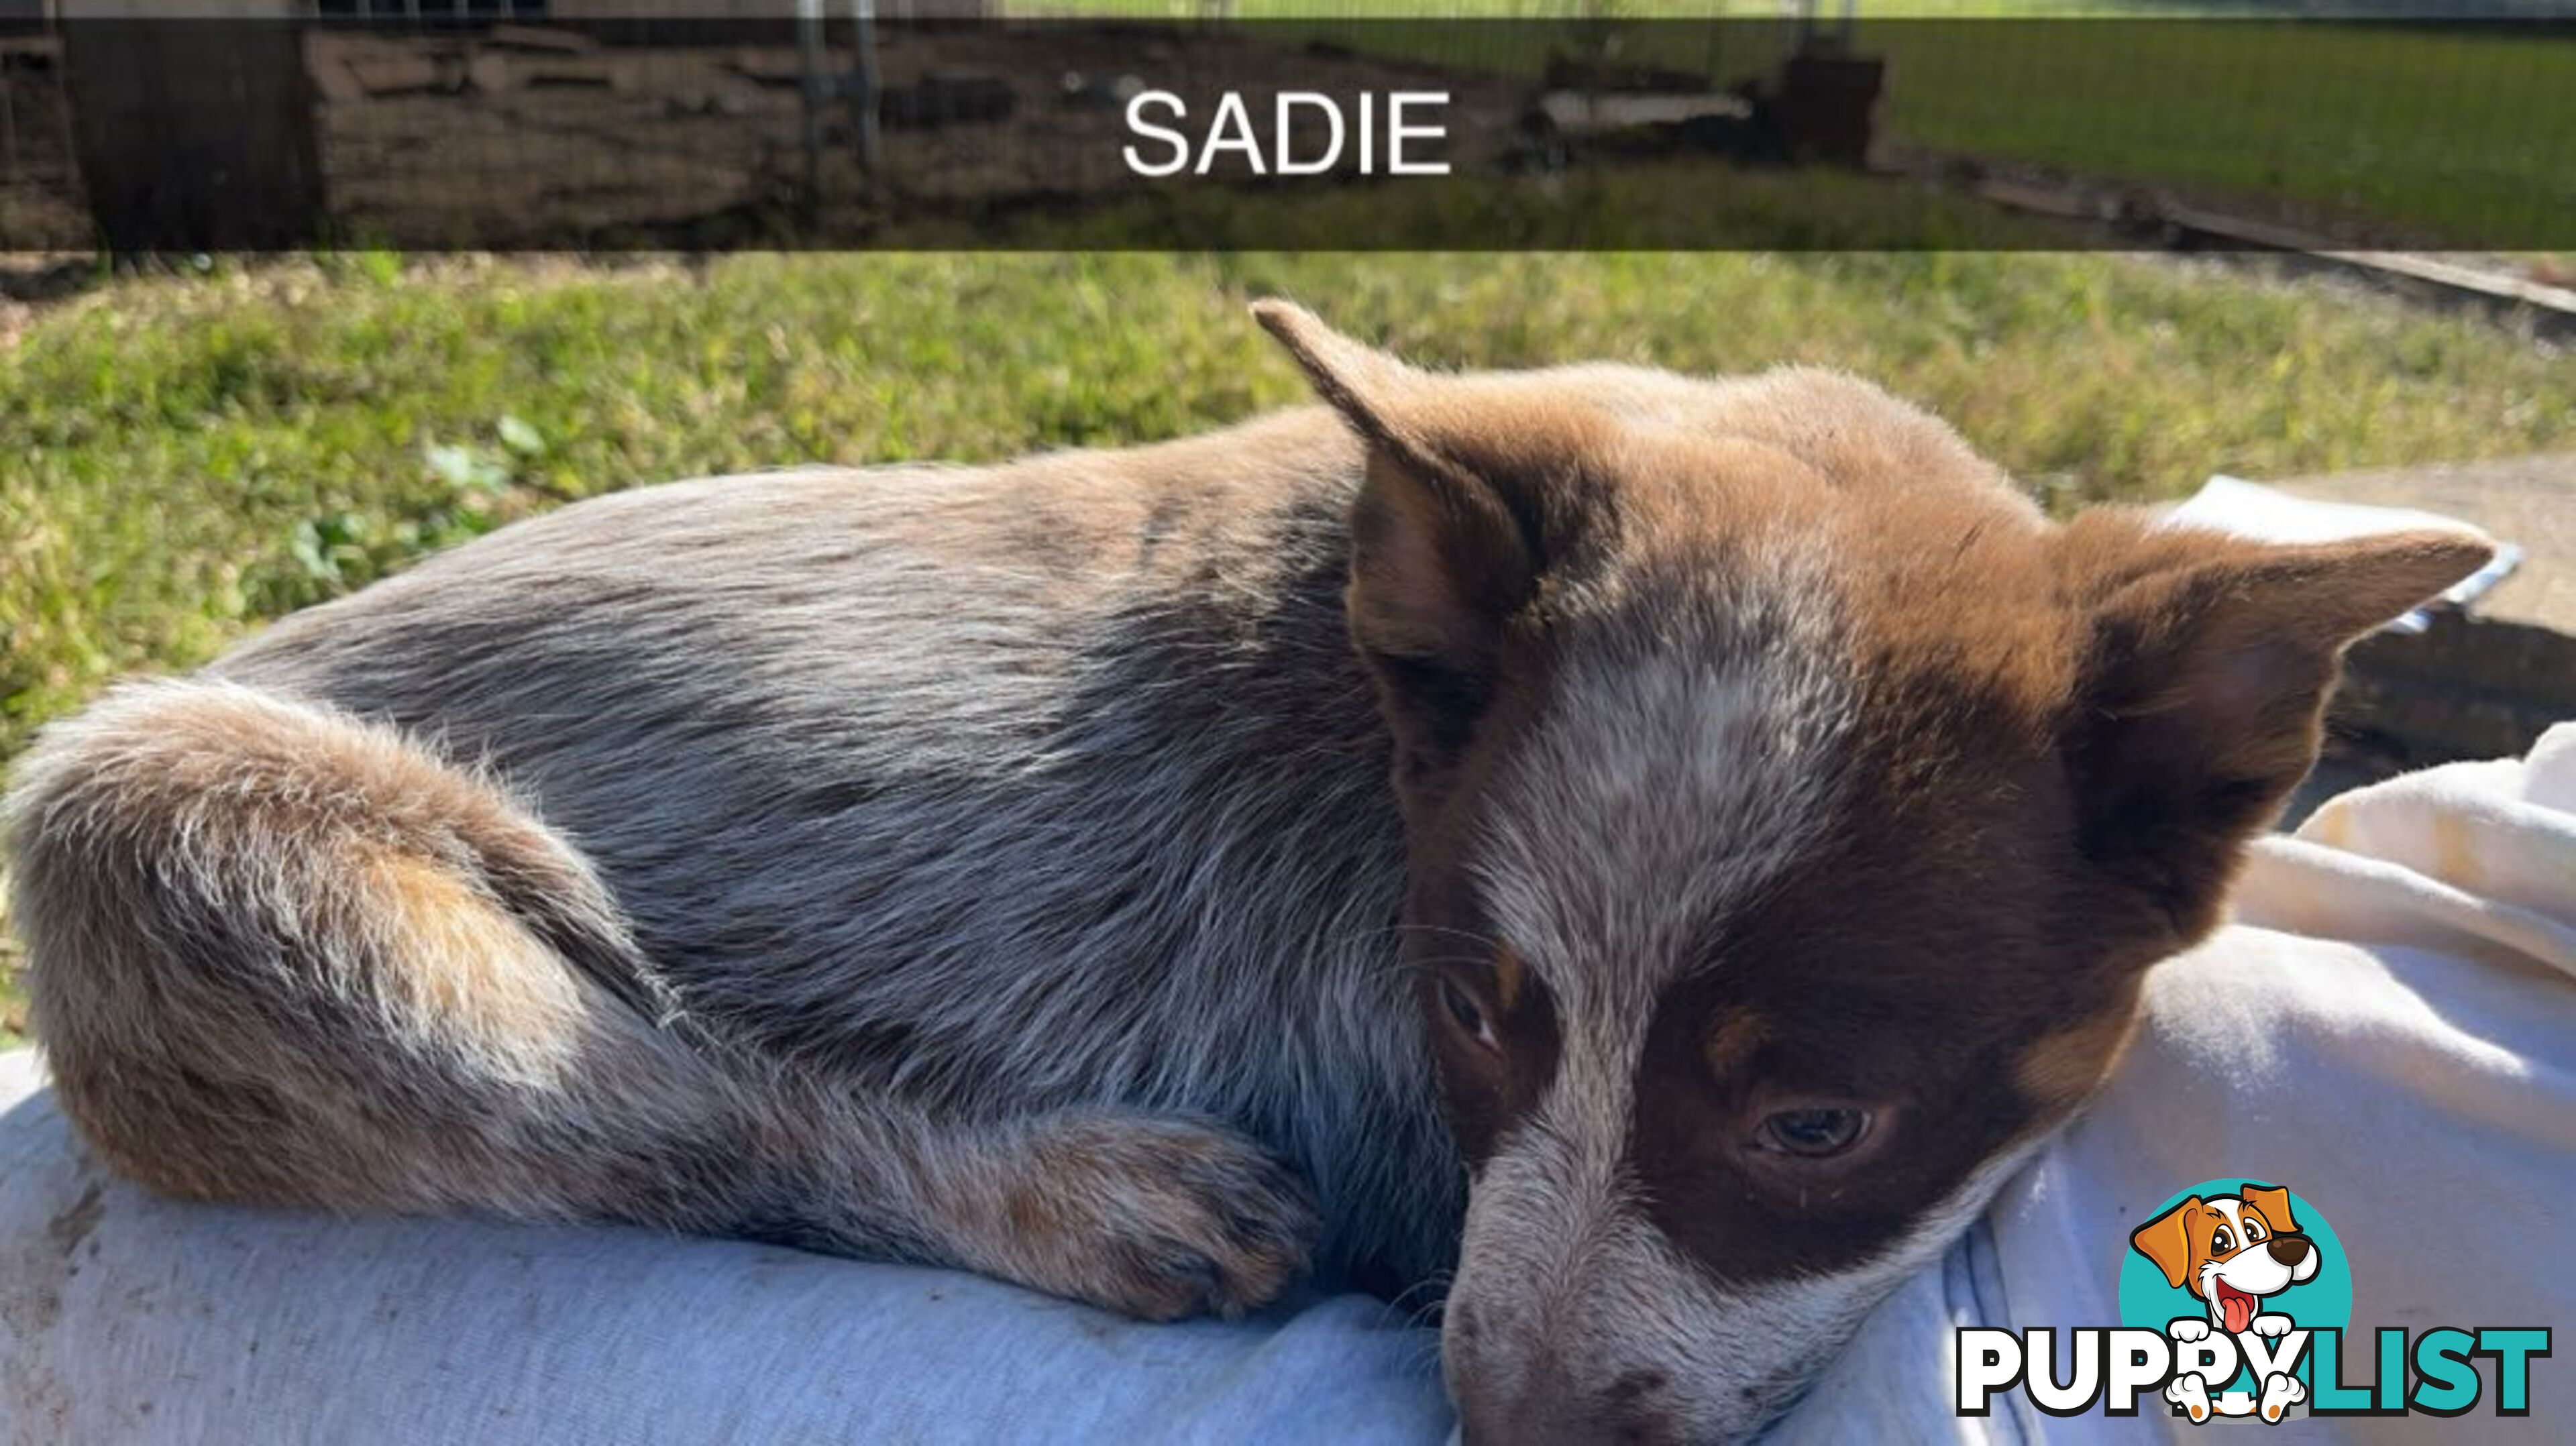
1543, 1401
2289, 1250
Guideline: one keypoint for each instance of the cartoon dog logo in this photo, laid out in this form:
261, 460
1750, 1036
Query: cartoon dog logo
2231, 1251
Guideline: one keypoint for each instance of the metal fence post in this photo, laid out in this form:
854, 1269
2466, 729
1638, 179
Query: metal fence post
863, 86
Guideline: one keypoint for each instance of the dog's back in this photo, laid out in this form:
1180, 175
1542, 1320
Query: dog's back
1019, 788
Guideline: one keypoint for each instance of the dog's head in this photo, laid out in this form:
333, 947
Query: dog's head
2230, 1250
1792, 813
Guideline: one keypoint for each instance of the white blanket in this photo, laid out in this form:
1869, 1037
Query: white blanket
2390, 1031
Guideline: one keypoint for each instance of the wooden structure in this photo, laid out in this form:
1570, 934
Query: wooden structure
197, 134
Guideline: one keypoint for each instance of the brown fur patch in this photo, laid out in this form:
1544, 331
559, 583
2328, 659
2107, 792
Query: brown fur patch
2067, 1064
1509, 973
1159, 1219
463, 967
1732, 1043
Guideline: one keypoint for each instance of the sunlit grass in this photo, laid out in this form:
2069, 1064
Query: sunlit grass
187, 456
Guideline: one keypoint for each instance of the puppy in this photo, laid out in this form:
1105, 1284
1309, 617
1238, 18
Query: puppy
2232, 1251
1653, 853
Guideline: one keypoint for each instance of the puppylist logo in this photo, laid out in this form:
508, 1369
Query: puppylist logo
2235, 1297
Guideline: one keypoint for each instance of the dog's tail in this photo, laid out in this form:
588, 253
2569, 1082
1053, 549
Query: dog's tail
280, 954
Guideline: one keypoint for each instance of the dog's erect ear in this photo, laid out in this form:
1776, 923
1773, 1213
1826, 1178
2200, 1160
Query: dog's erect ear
2167, 1239
2273, 1204
1441, 557
1382, 398
2204, 678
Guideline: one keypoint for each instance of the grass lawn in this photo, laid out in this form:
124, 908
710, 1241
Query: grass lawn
188, 455
2452, 135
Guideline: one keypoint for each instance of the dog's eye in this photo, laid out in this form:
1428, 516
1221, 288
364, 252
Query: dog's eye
2220, 1242
1466, 1013
2253, 1232
1813, 1132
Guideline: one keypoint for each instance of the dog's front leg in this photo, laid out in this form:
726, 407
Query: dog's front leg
1153, 1216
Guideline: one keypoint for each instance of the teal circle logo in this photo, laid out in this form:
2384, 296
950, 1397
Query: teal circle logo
2179, 1243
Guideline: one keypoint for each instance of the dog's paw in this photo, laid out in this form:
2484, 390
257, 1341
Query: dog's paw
2269, 1325
2191, 1393
2188, 1328
2281, 1391
1154, 1217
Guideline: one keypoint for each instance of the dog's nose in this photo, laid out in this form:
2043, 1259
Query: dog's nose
1529, 1422
1545, 1407
2289, 1249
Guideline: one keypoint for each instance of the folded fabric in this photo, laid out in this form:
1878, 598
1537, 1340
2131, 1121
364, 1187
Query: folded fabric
125, 1318
2389, 1030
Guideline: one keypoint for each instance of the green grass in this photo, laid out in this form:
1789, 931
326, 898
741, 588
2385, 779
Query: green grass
188, 455
2439, 134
